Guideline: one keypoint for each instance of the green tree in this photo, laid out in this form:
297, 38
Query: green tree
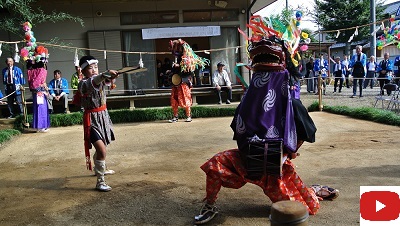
340, 14
16, 12
13, 13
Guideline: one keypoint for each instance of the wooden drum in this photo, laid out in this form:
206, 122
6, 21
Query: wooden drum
264, 158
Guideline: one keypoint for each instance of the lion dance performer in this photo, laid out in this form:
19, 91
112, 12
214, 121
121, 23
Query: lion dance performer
269, 126
186, 62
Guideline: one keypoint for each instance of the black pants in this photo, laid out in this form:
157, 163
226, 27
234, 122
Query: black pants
360, 82
12, 98
338, 78
369, 79
382, 82
228, 91
347, 79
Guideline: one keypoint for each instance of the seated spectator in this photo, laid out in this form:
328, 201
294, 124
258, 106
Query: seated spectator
58, 88
160, 74
221, 78
76, 78
1, 97
166, 71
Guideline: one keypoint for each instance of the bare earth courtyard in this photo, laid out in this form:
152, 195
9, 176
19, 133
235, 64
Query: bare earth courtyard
43, 179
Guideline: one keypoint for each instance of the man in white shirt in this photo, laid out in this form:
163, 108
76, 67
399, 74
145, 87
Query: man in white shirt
221, 81
346, 64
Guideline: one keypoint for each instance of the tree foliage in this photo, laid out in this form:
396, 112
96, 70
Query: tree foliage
285, 17
340, 14
15, 12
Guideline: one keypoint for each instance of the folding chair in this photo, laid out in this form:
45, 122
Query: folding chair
388, 87
395, 101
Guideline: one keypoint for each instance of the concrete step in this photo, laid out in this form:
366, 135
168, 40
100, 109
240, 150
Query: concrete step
7, 123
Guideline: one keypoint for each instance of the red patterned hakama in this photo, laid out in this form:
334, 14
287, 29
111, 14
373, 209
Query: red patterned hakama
181, 97
226, 169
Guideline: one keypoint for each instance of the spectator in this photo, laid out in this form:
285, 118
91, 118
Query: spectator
321, 67
358, 62
76, 78
396, 70
385, 69
58, 88
1, 97
371, 69
221, 81
310, 75
338, 73
346, 64
13, 79
166, 70
160, 74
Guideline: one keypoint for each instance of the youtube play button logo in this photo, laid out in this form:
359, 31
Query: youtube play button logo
379, 205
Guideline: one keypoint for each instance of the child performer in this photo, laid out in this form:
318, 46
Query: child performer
98, 129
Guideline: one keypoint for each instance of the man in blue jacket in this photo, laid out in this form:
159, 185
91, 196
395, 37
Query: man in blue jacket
385, 72
58, 89
13, 80
321, 67
396, 70
339, 70
358, 62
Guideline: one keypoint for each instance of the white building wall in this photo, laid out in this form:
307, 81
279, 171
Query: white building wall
73, 34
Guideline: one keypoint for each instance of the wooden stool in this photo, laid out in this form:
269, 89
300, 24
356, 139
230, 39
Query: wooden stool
288, 213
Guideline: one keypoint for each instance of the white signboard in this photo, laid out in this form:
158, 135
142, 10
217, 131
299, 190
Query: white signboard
181, 32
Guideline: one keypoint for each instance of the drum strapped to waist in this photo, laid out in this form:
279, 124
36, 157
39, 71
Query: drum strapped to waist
177, 79
264, 158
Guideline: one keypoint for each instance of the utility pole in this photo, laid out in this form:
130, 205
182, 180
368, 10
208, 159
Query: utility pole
287, 5
372, 29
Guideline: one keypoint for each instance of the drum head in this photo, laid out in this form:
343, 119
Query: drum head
176, 79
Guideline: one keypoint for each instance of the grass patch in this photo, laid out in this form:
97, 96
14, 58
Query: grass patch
8, 134
364, 113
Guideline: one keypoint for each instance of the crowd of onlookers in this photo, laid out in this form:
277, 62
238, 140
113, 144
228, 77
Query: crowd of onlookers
362, 71
56, 90
356, 70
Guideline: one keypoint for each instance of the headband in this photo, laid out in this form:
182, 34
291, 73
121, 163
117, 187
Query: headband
89, 62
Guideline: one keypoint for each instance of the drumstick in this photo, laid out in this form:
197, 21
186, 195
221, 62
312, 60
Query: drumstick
127, 70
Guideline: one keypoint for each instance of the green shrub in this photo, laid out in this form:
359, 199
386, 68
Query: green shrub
7, 134
127, 116
313, 107
153, 114
366, 113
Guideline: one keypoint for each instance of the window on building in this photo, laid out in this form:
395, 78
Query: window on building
163, 17
225, 15
210, 15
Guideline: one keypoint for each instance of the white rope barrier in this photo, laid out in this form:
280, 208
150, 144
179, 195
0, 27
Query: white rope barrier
8, 95
125, 52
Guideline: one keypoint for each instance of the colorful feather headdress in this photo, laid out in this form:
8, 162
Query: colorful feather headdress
289, 33
190, 60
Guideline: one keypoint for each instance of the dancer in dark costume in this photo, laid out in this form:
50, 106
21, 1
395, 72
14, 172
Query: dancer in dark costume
270, 125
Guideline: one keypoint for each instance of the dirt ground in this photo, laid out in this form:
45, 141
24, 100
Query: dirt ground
43, 179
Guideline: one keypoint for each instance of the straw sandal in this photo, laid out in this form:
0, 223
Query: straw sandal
325, 192
207, 213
